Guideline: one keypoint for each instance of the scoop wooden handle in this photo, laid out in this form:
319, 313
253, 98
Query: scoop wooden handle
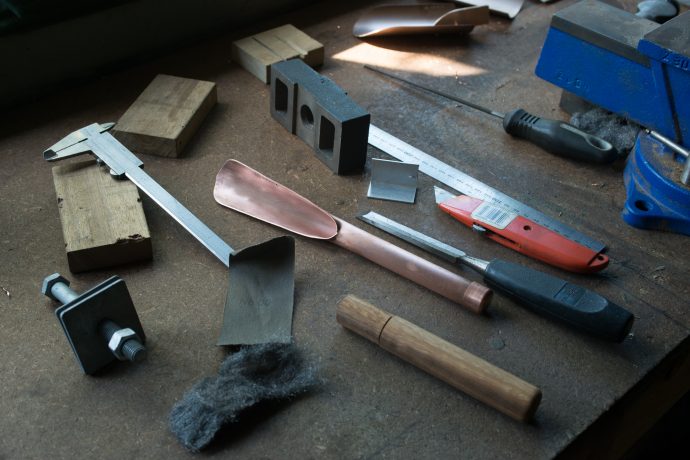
481, 380
469, 294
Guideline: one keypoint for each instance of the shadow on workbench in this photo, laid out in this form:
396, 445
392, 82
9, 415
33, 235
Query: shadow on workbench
668, 438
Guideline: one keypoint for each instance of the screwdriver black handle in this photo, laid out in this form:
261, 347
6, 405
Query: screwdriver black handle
558, 299
559, 138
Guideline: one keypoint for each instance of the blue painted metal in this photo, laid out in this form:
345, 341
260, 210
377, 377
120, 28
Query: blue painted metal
606, 79
627, 65
656, 200
641, 71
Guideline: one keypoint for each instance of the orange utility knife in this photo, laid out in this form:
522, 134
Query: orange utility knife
521, 234
500, 217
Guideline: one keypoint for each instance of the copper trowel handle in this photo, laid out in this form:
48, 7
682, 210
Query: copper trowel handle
469, 294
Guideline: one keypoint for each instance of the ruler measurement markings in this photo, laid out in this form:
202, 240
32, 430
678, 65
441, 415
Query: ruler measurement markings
470, 186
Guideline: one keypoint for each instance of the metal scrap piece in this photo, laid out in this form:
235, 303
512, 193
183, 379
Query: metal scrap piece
260, 300
393, 180
424, 18
509, 8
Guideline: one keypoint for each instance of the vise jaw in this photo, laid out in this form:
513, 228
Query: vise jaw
639, 70
628, 65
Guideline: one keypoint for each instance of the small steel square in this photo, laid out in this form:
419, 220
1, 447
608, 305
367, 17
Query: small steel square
393, 180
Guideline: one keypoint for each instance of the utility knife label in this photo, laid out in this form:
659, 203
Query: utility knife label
492, 215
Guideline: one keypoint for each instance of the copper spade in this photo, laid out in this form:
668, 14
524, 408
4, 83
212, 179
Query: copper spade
243, 189
425, 18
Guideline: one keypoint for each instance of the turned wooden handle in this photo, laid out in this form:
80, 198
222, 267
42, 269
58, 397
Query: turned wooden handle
467, 293
481, 380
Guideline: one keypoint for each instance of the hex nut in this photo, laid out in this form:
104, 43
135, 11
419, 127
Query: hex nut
48, 283
118, 339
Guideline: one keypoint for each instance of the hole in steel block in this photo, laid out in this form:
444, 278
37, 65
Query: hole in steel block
306, 115
326, 136
281, 98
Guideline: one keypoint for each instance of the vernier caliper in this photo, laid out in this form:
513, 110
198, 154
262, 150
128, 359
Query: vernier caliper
123, 163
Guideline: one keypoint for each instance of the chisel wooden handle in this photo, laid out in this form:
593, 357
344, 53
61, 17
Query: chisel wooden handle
481, 380
474, 296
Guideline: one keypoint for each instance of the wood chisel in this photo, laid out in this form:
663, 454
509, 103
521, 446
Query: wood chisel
558, 244
554, 136
544, 294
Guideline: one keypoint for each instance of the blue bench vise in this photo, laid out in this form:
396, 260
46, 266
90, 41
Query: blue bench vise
640, 70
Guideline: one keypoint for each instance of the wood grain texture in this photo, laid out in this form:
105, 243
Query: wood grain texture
257, 52
166, 115
103, 221
466, 372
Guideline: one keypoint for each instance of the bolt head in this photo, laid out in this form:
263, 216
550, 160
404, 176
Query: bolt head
50, 281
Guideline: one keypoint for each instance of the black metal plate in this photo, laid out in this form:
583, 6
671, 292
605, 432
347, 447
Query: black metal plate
80, 319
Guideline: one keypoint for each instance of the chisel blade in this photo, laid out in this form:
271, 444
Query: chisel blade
414, 237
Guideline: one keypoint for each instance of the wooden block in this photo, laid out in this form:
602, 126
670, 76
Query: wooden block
165, 116
103, 221
257, 52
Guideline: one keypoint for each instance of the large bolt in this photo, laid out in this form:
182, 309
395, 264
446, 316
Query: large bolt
57, 288
124, 343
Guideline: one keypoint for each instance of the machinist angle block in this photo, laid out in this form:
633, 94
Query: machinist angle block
320, 113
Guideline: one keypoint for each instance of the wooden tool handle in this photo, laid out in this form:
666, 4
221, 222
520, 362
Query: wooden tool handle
481, 380
467, 293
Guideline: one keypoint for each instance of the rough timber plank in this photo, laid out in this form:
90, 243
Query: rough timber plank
103, 222
166, 115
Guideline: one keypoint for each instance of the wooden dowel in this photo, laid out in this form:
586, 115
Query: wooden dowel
481, 380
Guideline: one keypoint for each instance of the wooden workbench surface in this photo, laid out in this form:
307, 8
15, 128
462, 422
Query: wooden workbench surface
370, 404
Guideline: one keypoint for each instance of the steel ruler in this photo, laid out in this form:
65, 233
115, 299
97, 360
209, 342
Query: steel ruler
470, 186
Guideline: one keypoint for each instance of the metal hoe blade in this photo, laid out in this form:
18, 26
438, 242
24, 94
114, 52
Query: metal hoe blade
258, 308
508, 7
427, 18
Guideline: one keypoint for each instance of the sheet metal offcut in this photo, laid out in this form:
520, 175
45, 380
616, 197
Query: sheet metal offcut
393, 180
509, 8
260, 299
425, 18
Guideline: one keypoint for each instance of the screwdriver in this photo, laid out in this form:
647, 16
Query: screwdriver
544, 294
554, 136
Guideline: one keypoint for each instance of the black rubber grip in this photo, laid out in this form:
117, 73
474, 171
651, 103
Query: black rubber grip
559, 138
556, 298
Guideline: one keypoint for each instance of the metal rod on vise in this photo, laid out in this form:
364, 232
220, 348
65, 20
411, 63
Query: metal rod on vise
685, 175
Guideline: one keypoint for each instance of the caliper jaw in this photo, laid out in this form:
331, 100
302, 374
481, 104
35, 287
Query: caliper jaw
94, 139
72, 145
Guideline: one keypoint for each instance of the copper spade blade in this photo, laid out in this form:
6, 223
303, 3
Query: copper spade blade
429, 18
243, 189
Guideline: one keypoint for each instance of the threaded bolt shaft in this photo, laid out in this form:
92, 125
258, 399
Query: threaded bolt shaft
132, 349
